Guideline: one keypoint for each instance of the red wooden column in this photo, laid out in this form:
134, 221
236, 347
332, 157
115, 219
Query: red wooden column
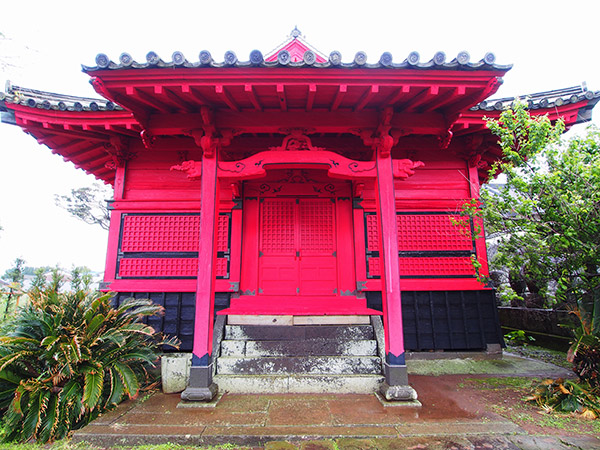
201, 386
396, 378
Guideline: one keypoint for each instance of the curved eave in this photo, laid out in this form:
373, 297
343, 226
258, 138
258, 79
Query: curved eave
80, 137
473, 123
157, 91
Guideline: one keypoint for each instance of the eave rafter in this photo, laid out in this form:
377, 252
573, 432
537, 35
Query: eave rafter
149, 100
256, 89
169, 97
281, 96
370, 92
316, 122
249, 89
226, 97
310, 98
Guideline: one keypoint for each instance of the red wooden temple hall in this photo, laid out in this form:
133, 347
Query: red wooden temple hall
294, 189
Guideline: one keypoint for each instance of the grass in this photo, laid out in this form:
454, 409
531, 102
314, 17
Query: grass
556, 357
505, 396
497, 383
527, 415
67, 445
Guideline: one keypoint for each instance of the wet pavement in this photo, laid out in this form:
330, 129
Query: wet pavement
453, 415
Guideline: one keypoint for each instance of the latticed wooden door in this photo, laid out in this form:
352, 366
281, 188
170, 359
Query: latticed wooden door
297, 247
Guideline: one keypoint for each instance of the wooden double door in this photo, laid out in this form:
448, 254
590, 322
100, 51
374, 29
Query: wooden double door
297, 247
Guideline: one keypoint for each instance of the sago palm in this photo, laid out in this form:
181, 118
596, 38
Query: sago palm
66, 358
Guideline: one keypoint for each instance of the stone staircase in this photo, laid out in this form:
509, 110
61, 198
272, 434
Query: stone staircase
299, 359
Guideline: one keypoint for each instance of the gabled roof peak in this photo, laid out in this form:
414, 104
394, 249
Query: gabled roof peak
296, 46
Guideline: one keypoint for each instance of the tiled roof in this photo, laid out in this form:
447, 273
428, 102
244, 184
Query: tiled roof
48, 100
542, 100
205, 59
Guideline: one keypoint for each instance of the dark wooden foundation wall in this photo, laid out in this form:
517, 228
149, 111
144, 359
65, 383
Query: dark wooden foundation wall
447, 320
178, 319
433, 320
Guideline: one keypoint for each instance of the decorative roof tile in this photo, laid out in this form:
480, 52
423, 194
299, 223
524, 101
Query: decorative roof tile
542, 100
59, 102
256, 59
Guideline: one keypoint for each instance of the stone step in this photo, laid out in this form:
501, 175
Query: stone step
310, 347
296, 333
279, 365
299, 384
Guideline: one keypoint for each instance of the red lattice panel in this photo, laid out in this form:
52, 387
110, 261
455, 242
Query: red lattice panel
372, 230
317, 234
223, 233
221, 268
436, 266
158, 267
160, 233
432, 232
374, 267
278, 226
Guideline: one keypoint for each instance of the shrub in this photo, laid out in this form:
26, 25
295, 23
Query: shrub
585, 350
67, 357
566, 396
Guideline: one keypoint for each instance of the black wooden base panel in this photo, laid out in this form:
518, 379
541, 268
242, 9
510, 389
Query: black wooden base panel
178, 319
447, 320
433, 320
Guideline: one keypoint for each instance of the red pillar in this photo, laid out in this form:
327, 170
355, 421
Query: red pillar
201, 386
396, 377
388, 232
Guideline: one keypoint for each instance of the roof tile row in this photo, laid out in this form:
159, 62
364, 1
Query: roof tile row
205, 59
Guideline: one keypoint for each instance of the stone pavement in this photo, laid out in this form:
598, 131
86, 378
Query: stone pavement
452, 416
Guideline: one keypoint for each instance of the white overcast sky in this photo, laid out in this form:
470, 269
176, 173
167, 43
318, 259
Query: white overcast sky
552, 44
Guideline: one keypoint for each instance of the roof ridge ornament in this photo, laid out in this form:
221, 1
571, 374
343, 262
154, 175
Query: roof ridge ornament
295, 32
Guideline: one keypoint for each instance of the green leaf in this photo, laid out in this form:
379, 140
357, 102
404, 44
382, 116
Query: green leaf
48, 341
32, 419
50, 421
95, 324
92, 388
130, 382
117, 388
138, 328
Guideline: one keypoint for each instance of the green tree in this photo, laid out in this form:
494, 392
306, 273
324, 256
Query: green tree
16, 273
87, 204
548, 211
547, 215
14, 276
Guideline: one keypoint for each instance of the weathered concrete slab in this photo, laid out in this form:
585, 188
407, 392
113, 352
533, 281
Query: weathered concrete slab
329, 365
507, 365
263, 320
331, 320
233, 348
554, 443
299, 384
291, 333
311, 347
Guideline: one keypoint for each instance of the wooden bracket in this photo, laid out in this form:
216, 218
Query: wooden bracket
147, 139
296, 141
193, 170
358, 189
118, 149
235, 190
445, 139
404, 168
